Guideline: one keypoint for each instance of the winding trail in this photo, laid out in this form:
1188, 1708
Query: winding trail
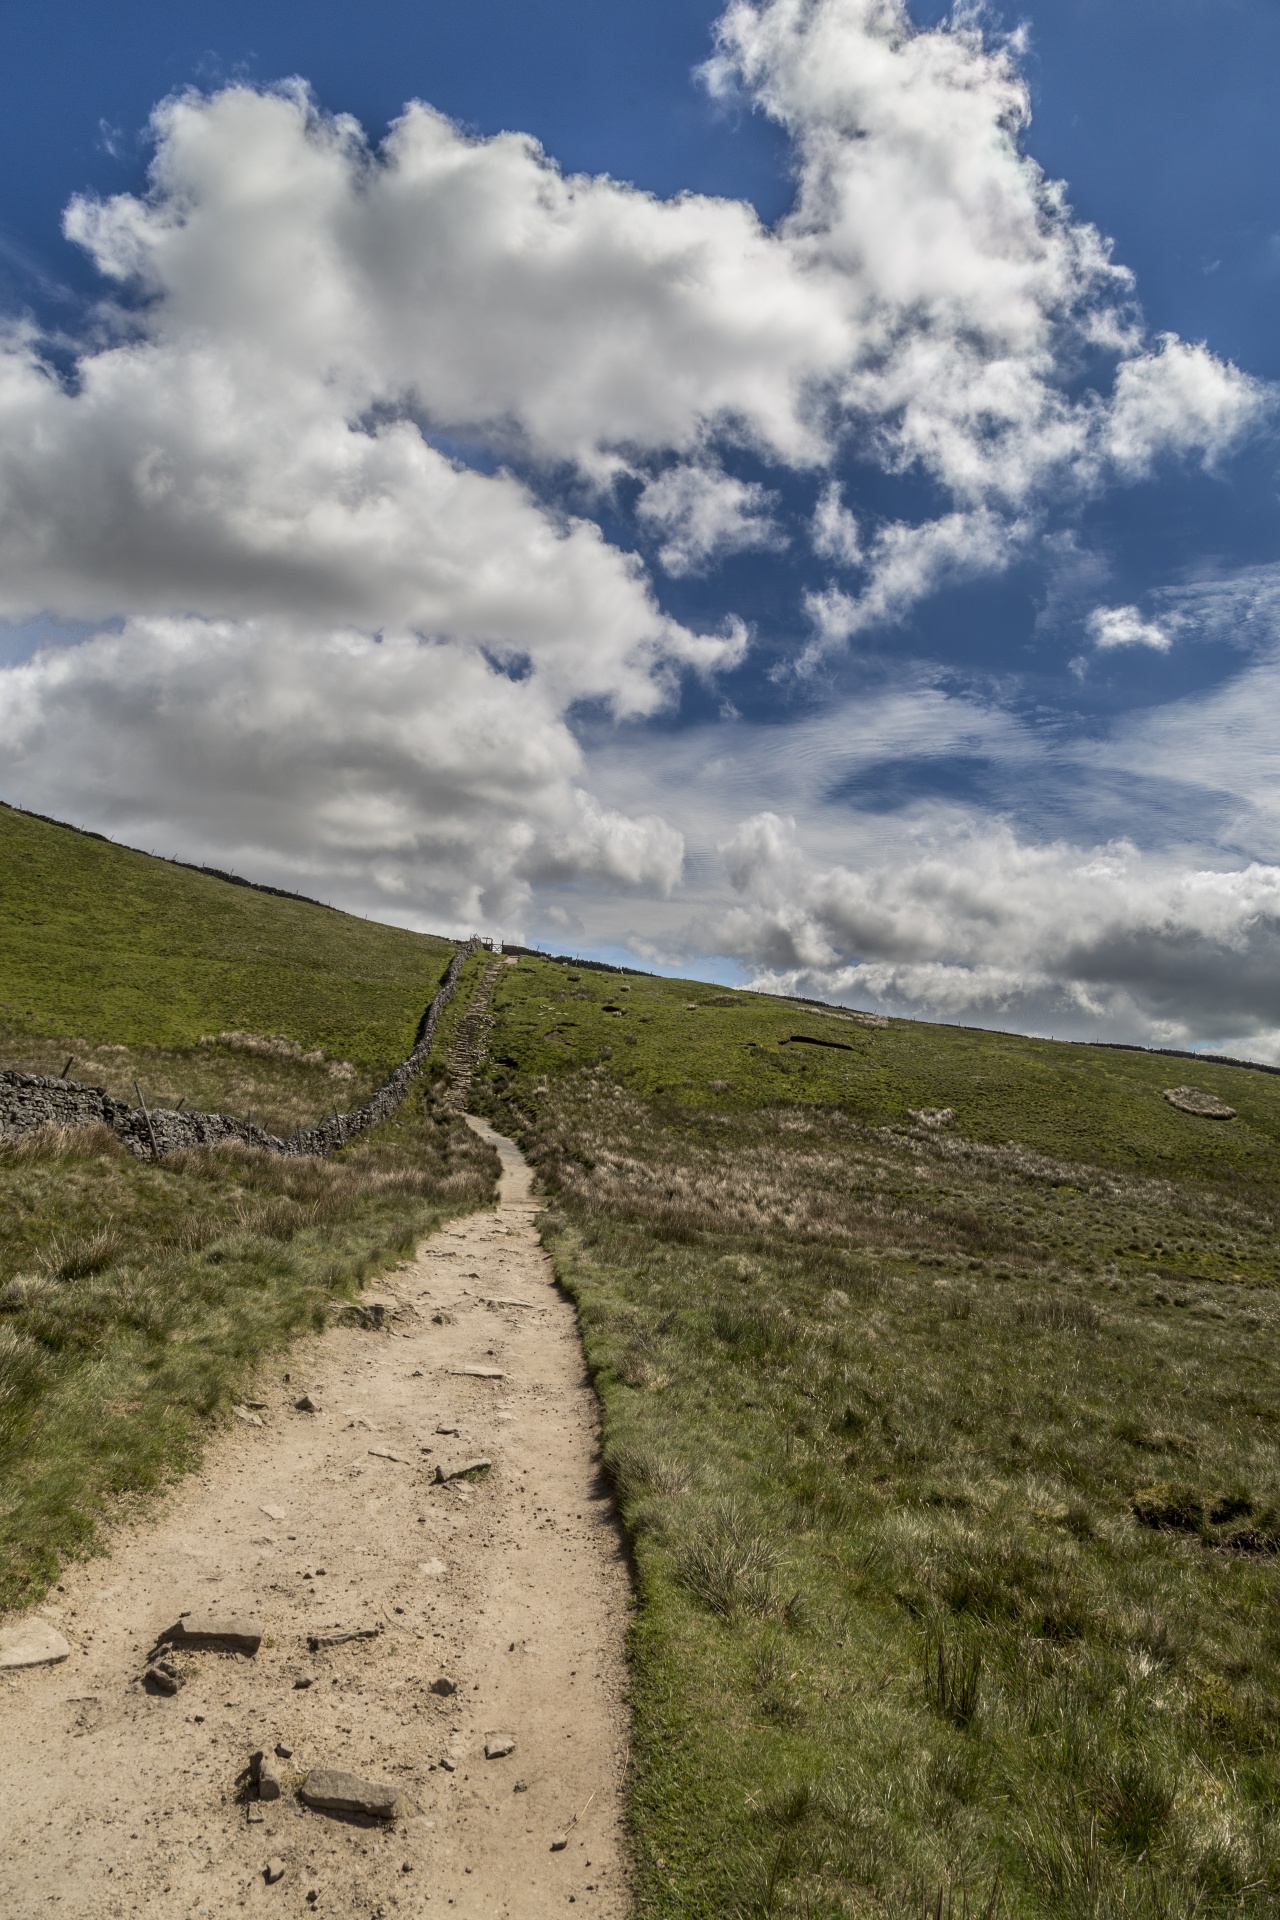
115, 1802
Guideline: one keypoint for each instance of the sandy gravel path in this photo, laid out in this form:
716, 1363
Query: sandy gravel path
117, 1802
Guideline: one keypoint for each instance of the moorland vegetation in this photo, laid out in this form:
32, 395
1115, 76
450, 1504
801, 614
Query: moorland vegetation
941, 1396
136, 1299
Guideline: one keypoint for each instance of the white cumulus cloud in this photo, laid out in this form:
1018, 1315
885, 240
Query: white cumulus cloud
1125, 627
705, 514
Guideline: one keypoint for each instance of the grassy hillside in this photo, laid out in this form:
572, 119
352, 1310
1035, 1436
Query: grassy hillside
137, 1300
950, 1452
102, 944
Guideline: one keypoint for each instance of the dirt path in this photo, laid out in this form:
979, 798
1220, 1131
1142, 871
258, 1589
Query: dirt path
117, 1802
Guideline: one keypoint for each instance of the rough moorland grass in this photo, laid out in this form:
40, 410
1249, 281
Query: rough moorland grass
136, 1299
103, 944
950, 1456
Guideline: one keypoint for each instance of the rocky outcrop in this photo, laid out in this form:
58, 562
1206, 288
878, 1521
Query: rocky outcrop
31, 1100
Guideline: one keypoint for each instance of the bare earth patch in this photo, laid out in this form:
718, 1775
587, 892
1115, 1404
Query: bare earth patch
432, 1622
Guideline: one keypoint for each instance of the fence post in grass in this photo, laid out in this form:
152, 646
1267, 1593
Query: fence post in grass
66, 1070
151, 1132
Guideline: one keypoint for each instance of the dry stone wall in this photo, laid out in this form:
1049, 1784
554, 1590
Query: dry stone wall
30, 1100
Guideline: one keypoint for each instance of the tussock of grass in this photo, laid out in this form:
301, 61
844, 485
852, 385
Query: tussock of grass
136, 1299
950, 1456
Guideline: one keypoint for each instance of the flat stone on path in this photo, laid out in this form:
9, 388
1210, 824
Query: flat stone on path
334, 1791
32, 1643
499, 1745
463, 1467
479, 1373
274, 1870
225, 1632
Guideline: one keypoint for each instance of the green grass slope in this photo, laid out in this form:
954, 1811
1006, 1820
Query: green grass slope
137, 1300
103, 944
950, 1454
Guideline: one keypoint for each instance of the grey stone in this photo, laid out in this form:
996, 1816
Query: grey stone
499, 1745
31, 1643
304, 1680
250, 1419
265, 1775
274, 1870
305, 1404
335, 1791
444, 1472
160, 1677
479, 1373
559, 1841
253, 1814
448, 1764
226, 1632
282, 1751
444, 1685
318, 1641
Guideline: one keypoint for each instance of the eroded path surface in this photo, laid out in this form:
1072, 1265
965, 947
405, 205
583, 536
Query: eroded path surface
116, 1802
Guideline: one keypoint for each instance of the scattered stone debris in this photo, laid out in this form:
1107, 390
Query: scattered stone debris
250, 1419
32, 1643
1206, 1105
318, 1641
162, 1677
444, 1685
222, 1632
371, 1311
463, 1468
498, 1745
265, 1774
933, 1116
274, 1870
305, 1404
334, 1791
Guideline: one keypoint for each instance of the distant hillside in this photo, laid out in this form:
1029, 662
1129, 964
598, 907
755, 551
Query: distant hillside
102, 943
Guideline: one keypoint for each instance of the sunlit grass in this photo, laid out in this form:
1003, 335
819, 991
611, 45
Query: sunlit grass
950, 1454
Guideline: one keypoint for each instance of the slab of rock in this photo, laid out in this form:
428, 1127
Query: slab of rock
265, 1774
223, 1632
305, 1404
274, 1870
479, 1373
251, 1419
318, 1641
444, 1472
498, 1745
334, 1791
1206, 1105
31, 1643
559, 1841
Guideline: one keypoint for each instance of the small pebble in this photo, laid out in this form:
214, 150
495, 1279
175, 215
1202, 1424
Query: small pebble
305, 1680
559, 1841
307, 1405
285, 1753
274, 1870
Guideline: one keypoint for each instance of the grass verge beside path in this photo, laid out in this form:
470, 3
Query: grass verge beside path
950, 1453
136, 1300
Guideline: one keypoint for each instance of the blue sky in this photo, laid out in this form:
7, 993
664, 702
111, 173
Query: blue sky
809, 546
